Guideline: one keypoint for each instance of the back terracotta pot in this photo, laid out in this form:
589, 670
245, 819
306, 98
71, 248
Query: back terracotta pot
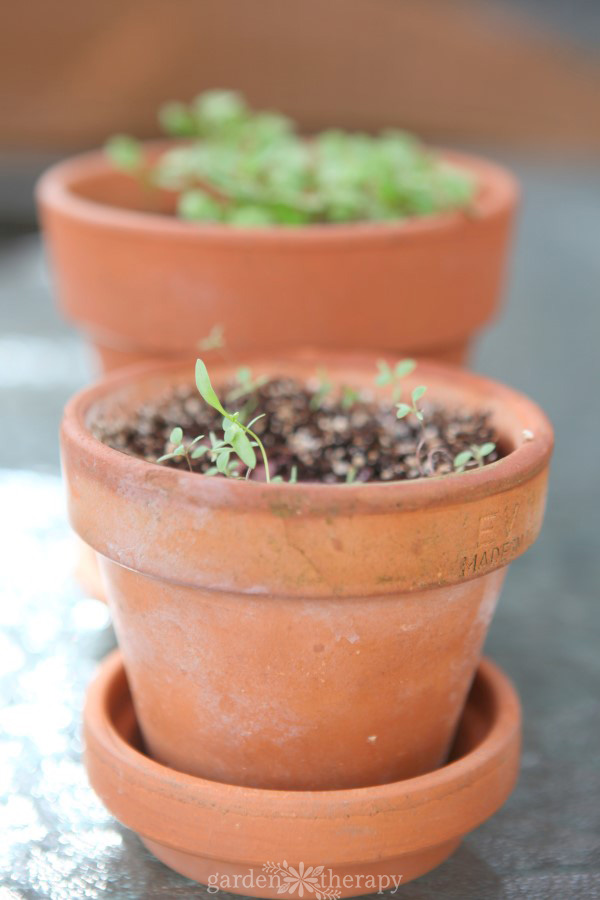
143, 284
303, 636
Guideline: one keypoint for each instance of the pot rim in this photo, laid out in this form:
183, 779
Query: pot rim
328, 811
56, 190
527, 458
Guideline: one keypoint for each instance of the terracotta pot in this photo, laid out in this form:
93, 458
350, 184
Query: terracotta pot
143, 284
224, 835
303, 636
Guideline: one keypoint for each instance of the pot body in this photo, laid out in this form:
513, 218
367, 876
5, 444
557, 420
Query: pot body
303, 637
299, 693
144, 285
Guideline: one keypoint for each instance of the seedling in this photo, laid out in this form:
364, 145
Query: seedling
180, 449
215, 339
125, 152
475, 454
351, 475
324, 388
389, 376
247, 384
252, 169
292, 480
405, 408
349, 397
238, 438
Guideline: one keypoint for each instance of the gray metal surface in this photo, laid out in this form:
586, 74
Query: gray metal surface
57, 840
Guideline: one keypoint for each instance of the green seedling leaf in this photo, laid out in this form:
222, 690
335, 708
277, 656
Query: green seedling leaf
403, 410
244, 375
404, 368
244, 449
176, 119
223, 460
176, 435
179, 451
206, 389
462, 458
198, 452
487, 448
125, 152
215, 340
418, 393
255, 419
385, 374
294, 475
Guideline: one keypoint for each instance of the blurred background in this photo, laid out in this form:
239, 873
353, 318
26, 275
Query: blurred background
517, 80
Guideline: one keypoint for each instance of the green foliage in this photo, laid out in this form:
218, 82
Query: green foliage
293, 477
252, 169
247, 384
475, 454
349, 397
198, 206
388, 376
403, 409
324, 387
238, 438
125, 152
180, 449
214, 340
351, 475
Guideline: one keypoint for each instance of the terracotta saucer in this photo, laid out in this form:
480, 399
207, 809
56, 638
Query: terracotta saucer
341, 843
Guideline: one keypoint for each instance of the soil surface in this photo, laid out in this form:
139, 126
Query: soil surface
339, 437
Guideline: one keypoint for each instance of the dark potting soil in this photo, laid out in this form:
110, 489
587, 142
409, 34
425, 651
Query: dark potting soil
340, 438
334, 438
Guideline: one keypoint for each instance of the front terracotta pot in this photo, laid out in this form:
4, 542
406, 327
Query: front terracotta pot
144, 284
303, 636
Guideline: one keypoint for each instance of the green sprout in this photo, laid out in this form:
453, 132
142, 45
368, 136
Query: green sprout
349, 397
246, 384
125, 153
252, 169
405, 408
214, 340
292, 480
238, 439
324, 387
183, 450
394, 376
475, 454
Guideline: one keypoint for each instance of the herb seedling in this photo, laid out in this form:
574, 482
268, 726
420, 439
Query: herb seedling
387, 375
237, 437
250, 168
324, 387
349, 397
214, 340
293, 479
475, 454
246, 384
183, 450
403, 409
